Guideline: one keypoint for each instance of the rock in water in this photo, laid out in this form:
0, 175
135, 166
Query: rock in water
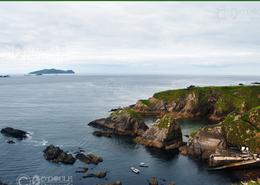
10, 142
165, 133
98, 175
56, 155
89, 159
16, 133
123, 122
113, 183
153, 181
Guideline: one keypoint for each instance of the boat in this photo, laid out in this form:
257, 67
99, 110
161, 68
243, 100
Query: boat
143, 165
135, 170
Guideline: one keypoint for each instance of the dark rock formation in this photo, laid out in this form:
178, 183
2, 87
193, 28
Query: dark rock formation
16, 133
206, 141
165, 133
2, 183
153, 181
98, 175
103, 133
122, 122
113, 183
89, 159
56, 155
10, 142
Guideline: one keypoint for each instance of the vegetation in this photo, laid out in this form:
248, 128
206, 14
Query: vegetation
127, 112
146, 102
243, 130
226, 98
166, 121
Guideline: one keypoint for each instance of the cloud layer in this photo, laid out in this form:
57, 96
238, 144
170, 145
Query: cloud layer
131, 37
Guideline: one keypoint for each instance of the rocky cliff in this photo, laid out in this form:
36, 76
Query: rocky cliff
213, 103
165, 133
236, 130
123, 122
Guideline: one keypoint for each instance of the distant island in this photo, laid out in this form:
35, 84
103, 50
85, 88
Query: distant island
52, 71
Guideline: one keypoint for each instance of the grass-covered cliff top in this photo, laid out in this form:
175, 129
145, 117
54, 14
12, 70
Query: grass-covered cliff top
226, 97
127, 112
237, 91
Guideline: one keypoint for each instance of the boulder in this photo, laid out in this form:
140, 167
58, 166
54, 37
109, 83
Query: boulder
89, 159
56, 155
16, 133
165, 133
122, 122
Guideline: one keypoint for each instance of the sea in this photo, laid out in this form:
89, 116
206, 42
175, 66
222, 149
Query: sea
56, 109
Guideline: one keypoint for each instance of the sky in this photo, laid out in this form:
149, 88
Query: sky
218, 38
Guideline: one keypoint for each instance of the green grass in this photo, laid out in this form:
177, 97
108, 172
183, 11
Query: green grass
146, 102
166, 121
227, 97
128, 112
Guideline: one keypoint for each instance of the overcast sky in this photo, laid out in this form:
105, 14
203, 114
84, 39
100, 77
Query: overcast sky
131, 37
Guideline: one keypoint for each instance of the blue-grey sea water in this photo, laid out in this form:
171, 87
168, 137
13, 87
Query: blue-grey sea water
56, 109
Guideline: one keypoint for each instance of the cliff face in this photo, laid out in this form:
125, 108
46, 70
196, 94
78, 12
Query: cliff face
122, 122
236, 130
213, 103
206, 141
165, 133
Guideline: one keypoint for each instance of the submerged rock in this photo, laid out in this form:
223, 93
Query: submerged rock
98, 175
103, 133
153, 181
83, 170
16, 133
56, 155
89, 159
123, 122
113, 183
10, 142
165, 133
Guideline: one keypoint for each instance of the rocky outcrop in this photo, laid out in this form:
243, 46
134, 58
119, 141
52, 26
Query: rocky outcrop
243, 130
113, 183
15, 133
213, 103
122, 122
98, 175
57, 155
205, 142
89, 159
165, 133
10, 142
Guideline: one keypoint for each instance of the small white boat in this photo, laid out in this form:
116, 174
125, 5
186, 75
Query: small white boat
135, 170
143, 165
